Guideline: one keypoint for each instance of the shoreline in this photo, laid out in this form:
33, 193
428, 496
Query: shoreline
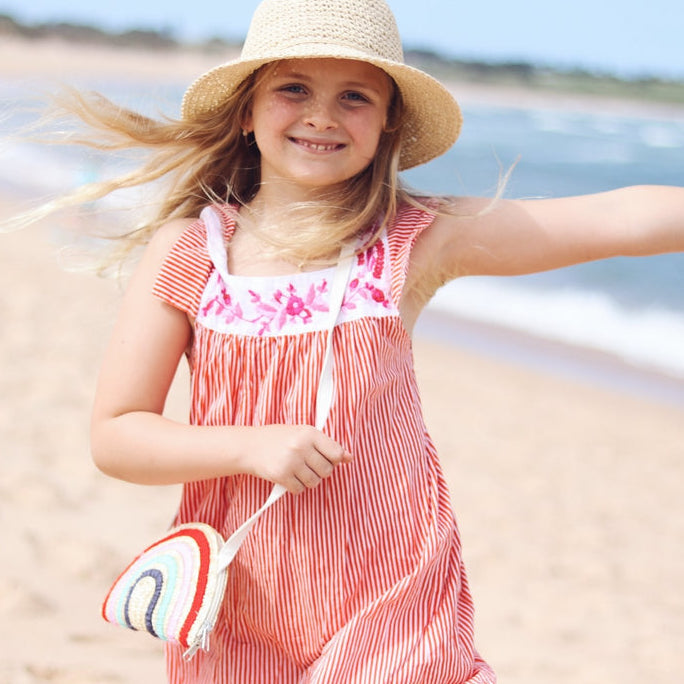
578, 364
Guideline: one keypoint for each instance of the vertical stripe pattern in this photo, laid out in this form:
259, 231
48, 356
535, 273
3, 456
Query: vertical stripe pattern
359, 580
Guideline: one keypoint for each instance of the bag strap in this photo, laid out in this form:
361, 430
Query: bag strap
324, 398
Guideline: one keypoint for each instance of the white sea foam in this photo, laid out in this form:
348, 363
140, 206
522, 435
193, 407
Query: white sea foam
647, 338
663, 135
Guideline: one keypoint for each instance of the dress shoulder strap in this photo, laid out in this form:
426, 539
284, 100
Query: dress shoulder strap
216, 246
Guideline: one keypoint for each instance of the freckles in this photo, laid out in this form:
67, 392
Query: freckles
277, 107
270, 112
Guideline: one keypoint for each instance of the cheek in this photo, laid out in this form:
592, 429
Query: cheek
369, 131
272, 115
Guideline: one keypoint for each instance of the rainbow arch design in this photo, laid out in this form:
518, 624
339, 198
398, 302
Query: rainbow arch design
174, 589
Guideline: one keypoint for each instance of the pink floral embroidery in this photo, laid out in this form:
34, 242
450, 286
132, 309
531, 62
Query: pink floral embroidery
364, 285
301, 302
269, 313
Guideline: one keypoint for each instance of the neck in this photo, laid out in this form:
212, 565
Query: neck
275, 198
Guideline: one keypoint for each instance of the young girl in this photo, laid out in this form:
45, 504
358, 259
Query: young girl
355, 575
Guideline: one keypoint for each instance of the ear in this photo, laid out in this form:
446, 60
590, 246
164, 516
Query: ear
247, 123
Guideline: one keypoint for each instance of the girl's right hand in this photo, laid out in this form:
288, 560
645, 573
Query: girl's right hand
298, 457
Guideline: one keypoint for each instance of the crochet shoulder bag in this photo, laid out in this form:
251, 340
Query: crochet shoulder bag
174, 589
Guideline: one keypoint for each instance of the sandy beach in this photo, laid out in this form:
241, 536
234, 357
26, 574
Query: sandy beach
568, 496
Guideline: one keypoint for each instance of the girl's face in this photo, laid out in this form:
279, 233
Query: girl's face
317, 122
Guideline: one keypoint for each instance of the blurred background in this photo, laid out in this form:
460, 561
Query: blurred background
625, 38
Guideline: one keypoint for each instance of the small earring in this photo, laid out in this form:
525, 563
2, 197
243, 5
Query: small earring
245, 133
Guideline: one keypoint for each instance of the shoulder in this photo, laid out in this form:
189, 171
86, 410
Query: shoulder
424, 225
179, 244
169, 234
159, 247
440, 246
457, 234
408, 224
178, 263
413, 217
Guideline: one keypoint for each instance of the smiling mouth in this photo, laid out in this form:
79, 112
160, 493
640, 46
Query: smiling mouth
318, 147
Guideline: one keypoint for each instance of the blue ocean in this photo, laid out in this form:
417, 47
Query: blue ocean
628, 309
631, 309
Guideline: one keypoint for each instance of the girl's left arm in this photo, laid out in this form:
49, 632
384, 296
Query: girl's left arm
514, 237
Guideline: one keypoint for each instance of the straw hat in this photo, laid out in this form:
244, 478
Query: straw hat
363, 30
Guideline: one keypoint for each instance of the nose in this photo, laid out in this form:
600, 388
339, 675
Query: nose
320, 115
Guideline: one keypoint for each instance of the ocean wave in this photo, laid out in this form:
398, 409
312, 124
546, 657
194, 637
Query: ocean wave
649, 338
662, 135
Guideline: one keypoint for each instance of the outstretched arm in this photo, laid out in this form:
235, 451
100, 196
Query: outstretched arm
515, 237
526, 236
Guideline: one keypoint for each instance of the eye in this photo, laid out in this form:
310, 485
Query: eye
292, 89
355, 97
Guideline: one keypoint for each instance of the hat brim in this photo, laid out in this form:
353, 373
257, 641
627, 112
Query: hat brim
432, 120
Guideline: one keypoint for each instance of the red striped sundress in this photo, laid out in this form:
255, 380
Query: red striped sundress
360, 580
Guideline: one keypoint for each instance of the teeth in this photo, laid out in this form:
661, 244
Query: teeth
319, 147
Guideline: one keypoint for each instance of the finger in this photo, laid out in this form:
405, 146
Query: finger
308, 477
294, 486
319, 464
333, 452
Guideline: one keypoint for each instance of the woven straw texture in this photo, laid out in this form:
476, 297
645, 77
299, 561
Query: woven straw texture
349, 29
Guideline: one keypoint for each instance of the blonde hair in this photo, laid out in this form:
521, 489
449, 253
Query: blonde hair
208, 159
